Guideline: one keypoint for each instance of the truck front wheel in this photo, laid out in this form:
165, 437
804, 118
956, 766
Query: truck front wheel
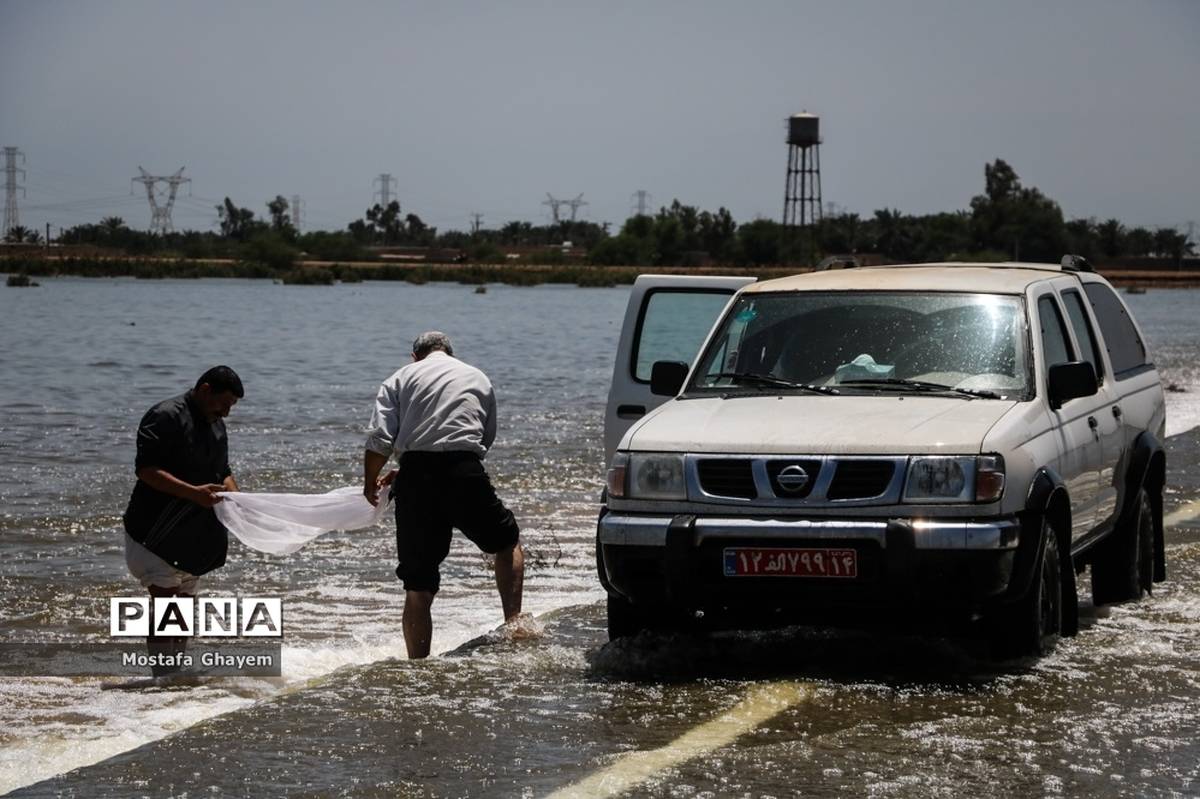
1032, 626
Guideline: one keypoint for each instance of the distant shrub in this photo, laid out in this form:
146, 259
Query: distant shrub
596, 278
549, 257
309, 276
486, 253
346, 274
337, 246
623, 250
269, 250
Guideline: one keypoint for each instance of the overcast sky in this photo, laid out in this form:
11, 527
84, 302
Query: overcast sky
480, 106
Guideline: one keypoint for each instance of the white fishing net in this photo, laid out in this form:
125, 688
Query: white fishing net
282, 523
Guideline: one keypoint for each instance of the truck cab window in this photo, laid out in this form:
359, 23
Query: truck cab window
1054, 334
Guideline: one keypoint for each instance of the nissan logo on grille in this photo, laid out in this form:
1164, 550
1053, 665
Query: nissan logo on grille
792, 479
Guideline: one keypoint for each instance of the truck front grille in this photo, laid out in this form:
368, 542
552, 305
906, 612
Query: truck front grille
726, 477
861, 479
794, 482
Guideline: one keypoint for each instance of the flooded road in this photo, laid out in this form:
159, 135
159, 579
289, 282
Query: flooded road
1112, 712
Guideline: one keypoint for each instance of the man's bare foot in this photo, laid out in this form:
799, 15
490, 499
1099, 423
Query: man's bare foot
523, 627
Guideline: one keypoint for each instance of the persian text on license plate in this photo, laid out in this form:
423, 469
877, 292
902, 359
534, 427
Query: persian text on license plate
763, 562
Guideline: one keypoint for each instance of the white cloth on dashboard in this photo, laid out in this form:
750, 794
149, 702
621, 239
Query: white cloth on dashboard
282, 523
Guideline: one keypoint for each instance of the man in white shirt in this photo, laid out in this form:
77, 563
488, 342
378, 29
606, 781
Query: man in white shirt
438, 416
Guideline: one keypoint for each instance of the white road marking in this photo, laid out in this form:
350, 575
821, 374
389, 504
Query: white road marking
1184, 513
760, 704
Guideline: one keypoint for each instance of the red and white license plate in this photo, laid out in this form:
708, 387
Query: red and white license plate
790, 562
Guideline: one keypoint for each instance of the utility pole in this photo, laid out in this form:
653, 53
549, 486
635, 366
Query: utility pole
641, 199
386, 182
160, 214
476, 222
11, 217
297, 213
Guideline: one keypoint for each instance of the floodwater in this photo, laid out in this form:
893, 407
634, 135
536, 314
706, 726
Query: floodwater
1114, 711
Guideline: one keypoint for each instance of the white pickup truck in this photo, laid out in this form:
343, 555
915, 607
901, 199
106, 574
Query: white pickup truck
934, 445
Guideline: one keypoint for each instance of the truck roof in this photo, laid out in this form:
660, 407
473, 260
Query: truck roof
1000, 278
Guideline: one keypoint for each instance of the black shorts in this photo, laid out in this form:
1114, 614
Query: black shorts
436, 492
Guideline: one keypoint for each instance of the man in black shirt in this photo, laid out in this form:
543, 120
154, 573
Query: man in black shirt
172, 535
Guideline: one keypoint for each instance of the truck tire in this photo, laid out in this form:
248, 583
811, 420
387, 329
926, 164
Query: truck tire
1032, 626
624, 620
1123, 568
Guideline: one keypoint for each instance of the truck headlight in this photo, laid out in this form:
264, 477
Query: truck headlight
656, 476
955, 479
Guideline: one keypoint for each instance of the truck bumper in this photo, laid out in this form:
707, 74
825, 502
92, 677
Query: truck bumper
907, 568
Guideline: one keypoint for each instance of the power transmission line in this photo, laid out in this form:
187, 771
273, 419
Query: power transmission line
160, 214
11, 216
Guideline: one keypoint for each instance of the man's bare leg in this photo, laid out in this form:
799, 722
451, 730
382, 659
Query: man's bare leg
169, 646
418, 623
510, 579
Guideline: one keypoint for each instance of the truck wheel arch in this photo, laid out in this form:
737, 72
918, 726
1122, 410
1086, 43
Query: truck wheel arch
1048, 499
1148, 469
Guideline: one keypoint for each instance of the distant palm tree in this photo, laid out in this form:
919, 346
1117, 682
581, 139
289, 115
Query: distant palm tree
17, 234
112, 224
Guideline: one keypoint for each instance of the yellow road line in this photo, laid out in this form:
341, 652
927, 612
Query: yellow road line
630, 770
1182, 514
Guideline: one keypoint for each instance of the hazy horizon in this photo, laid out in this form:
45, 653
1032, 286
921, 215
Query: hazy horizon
482, 108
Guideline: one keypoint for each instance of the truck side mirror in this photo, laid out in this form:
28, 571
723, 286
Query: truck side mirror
1068, 381
666, 377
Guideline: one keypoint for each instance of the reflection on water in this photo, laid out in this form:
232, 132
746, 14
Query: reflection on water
1112, 712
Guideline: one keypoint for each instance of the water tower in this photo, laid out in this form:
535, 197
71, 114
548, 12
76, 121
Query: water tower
802, 193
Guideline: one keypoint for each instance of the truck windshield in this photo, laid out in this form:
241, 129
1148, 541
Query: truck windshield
871, 341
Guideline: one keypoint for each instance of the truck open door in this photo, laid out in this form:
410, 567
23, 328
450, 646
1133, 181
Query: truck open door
667, 319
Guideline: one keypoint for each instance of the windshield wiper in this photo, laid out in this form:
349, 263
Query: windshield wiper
921, 385
771, 380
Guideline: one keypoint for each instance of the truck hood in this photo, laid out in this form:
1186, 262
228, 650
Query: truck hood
875, 424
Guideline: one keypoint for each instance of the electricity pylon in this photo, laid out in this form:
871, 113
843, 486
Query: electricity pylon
297, 212
554, 204
575, 204
160, 213
642, 202
386, 182
11, 217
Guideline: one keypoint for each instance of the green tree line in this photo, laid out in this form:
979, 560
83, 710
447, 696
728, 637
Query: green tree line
1006, 221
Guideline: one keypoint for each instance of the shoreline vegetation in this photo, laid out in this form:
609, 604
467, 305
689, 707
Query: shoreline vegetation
1009, 221
323, 273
